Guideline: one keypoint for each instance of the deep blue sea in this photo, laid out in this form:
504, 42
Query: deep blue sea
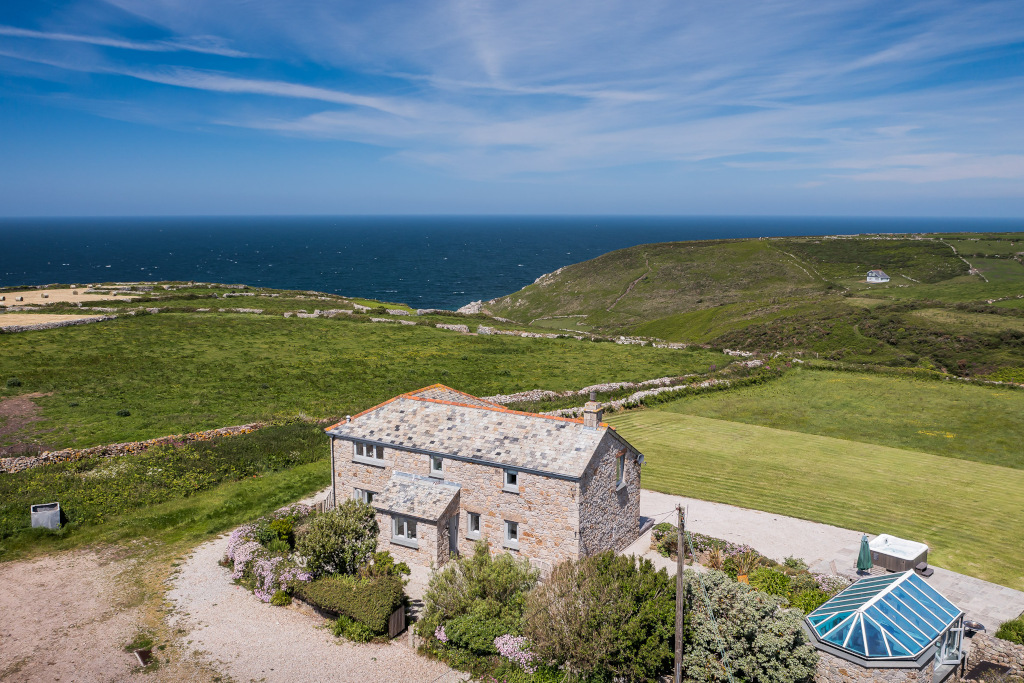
427, 262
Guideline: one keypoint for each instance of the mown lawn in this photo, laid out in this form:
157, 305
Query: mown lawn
970, 514
185, 372
952, 419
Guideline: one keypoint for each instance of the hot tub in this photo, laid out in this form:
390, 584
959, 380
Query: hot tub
897, 554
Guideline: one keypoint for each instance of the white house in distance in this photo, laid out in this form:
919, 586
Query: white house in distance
877, 276
444, 469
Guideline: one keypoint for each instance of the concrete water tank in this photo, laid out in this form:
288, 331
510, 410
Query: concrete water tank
46, 515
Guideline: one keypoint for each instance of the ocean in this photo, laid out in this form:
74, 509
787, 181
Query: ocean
427, 262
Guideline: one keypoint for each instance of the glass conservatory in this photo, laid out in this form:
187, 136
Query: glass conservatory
884, 618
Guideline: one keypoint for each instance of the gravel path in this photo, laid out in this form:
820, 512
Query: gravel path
252, 641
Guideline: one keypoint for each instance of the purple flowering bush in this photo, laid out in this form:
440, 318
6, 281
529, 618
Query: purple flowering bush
516, 649
266, 571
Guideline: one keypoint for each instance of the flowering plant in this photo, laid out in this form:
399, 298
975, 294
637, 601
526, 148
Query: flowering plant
517, 650
269, 572
440, 634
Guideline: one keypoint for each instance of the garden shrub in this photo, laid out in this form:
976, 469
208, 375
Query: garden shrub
1012, 630
763, 641
358, 632
383, 564
500, 581
794, 563
13, 382
809, 600
604, 617
340, 541
369, 601
266, 572
280, 599
477, 629
770, 581
124, 412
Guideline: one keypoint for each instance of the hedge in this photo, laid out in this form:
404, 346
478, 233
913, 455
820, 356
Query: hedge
369, 601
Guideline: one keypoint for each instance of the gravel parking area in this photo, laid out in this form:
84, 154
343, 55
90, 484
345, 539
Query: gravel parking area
249, 640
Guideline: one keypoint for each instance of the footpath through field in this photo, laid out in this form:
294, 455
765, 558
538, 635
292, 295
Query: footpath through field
820, 545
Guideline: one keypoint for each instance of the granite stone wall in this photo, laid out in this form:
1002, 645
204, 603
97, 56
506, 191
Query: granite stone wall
832, 669
985, 648
610, 516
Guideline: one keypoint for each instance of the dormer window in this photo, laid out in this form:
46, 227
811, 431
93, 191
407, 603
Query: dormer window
368, 452
511, 481
436, 466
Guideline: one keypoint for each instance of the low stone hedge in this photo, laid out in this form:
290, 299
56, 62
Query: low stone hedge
17, 464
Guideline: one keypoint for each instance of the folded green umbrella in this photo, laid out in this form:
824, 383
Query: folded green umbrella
864, 557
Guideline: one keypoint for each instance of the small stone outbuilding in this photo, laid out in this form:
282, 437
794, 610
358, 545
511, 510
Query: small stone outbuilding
445, 469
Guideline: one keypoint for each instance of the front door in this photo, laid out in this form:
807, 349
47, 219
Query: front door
453, 534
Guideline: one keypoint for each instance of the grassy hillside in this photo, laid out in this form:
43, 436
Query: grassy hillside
802, 296
872, 488
953, 419
178, 372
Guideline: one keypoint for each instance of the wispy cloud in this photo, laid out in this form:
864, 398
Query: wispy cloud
202, 45
865, 91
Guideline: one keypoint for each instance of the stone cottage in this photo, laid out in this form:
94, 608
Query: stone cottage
445, 469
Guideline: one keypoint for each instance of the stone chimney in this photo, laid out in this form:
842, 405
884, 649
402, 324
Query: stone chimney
592, 412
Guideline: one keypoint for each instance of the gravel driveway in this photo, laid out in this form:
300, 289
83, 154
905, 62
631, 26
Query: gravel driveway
253, 641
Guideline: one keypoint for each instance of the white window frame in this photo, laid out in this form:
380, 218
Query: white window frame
620, 471
437, 471
367, 453
400, 528
470, 531
511, 534
364, 495
512, 487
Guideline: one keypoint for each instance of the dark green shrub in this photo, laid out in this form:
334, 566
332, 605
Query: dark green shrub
340, 541
770, 581
490, 588
476, 630
795, 563
730, 568
124, 412
357, 632
280, 599
382, 564
368, 601
803, 581
73, 404
763, 641
13, 382
1012, 631
808, 600
603, 618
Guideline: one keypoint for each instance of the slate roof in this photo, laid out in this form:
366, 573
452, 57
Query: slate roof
877, 273
487, 432
408, 494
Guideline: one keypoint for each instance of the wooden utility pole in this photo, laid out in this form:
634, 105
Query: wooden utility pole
680, 602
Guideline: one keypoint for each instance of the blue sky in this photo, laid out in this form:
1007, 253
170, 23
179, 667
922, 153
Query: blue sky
155, 107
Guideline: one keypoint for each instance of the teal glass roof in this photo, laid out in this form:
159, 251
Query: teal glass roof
896, 616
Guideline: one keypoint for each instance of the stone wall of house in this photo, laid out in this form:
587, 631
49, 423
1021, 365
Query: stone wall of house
546, 509
444, 530
610, 515
832, 669
985, 648
426, 536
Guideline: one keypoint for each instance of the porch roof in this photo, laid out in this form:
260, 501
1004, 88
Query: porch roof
412, 495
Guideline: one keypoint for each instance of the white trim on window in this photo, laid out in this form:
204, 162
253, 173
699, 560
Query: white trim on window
510, 481
403, 532
369, 454
363, 495
437, 466
473, 525
511, 534
620, 470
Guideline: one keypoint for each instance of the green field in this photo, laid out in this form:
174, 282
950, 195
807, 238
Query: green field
970, 514
185, 372
952, 419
